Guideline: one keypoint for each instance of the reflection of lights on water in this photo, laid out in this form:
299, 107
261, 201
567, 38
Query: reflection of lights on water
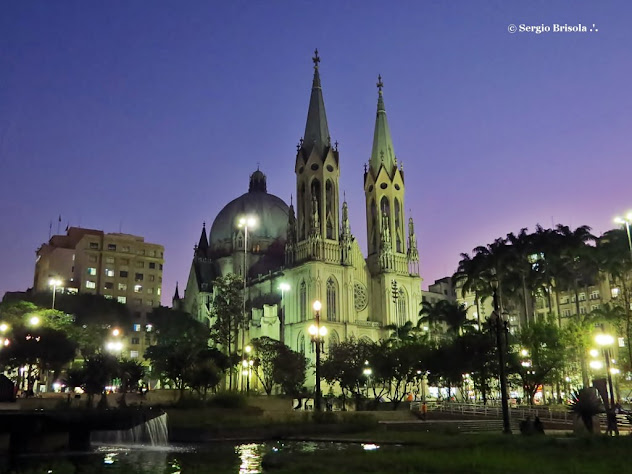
109, 458
370, 447
250, 457
175, 467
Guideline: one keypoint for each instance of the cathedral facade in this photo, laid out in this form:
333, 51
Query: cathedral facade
294, 255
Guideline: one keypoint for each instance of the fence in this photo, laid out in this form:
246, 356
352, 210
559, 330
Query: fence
517, 412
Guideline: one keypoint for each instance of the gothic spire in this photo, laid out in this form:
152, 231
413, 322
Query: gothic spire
176, 295
203, 244
316, 129
382, 153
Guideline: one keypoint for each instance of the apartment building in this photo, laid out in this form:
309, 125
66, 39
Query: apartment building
118, 266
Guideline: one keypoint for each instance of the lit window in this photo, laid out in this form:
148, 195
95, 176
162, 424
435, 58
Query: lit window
122, 286
108, 297
614, 292
133, 354
92, 271
122, 299
109, 272
90, 284
582, 297
149, 327
158, 292
136, 327
138, 288
621, 341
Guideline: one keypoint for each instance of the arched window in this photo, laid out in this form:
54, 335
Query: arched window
402, 317
374, 229
385, 208
332, 314
300, 345
303, 301
303, 211
329, 209
398, 238
334, 339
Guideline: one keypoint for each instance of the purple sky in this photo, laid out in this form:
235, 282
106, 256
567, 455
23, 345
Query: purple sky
150, 116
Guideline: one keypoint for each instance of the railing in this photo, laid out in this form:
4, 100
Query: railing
520, 412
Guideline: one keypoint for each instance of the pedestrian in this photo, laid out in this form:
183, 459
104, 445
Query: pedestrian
538, 426
611, 419
424, 410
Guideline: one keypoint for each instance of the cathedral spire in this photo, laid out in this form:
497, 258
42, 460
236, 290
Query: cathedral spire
202, 245
316, 129
176, 295
382, 153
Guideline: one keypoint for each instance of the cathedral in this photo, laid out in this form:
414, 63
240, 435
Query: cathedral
294, 255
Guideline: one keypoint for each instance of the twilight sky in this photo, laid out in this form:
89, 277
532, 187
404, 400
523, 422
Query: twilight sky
148, 117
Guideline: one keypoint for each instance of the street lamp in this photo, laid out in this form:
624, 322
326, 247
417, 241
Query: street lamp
317, 333
500, 326
605, 341
283, 287
54, 282
245, 223
247, 367
34, 321
627, 220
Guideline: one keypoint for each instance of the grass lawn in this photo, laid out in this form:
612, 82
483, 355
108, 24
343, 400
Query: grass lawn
470, 454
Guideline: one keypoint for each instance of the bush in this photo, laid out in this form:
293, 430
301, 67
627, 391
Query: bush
189, 403
231, 400
361, 421
324, 417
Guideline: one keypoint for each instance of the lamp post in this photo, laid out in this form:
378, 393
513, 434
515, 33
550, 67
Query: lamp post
247, 368
500, 326
283, 287
245, 222
317, 333
627, 220
367, 371
605, 341
54, 282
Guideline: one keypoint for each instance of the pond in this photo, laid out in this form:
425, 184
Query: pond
175, 459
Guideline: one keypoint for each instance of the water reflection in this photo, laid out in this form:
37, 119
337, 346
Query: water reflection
200, 459
250, 456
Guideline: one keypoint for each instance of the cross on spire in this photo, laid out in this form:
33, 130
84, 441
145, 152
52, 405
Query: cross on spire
316, 59
379, 84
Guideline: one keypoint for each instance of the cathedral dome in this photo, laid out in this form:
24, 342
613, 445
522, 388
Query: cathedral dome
269, 210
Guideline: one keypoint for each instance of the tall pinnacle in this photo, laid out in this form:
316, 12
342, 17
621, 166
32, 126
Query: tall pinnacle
316, 129
382, 153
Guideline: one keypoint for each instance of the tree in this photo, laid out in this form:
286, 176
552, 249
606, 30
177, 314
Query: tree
539, 353
227, 314
98, 372
267, 352
345, 365
289, 372
206, 371
179, 341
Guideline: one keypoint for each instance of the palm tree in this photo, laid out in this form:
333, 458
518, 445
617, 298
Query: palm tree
407, 332
580, 266
521, 267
